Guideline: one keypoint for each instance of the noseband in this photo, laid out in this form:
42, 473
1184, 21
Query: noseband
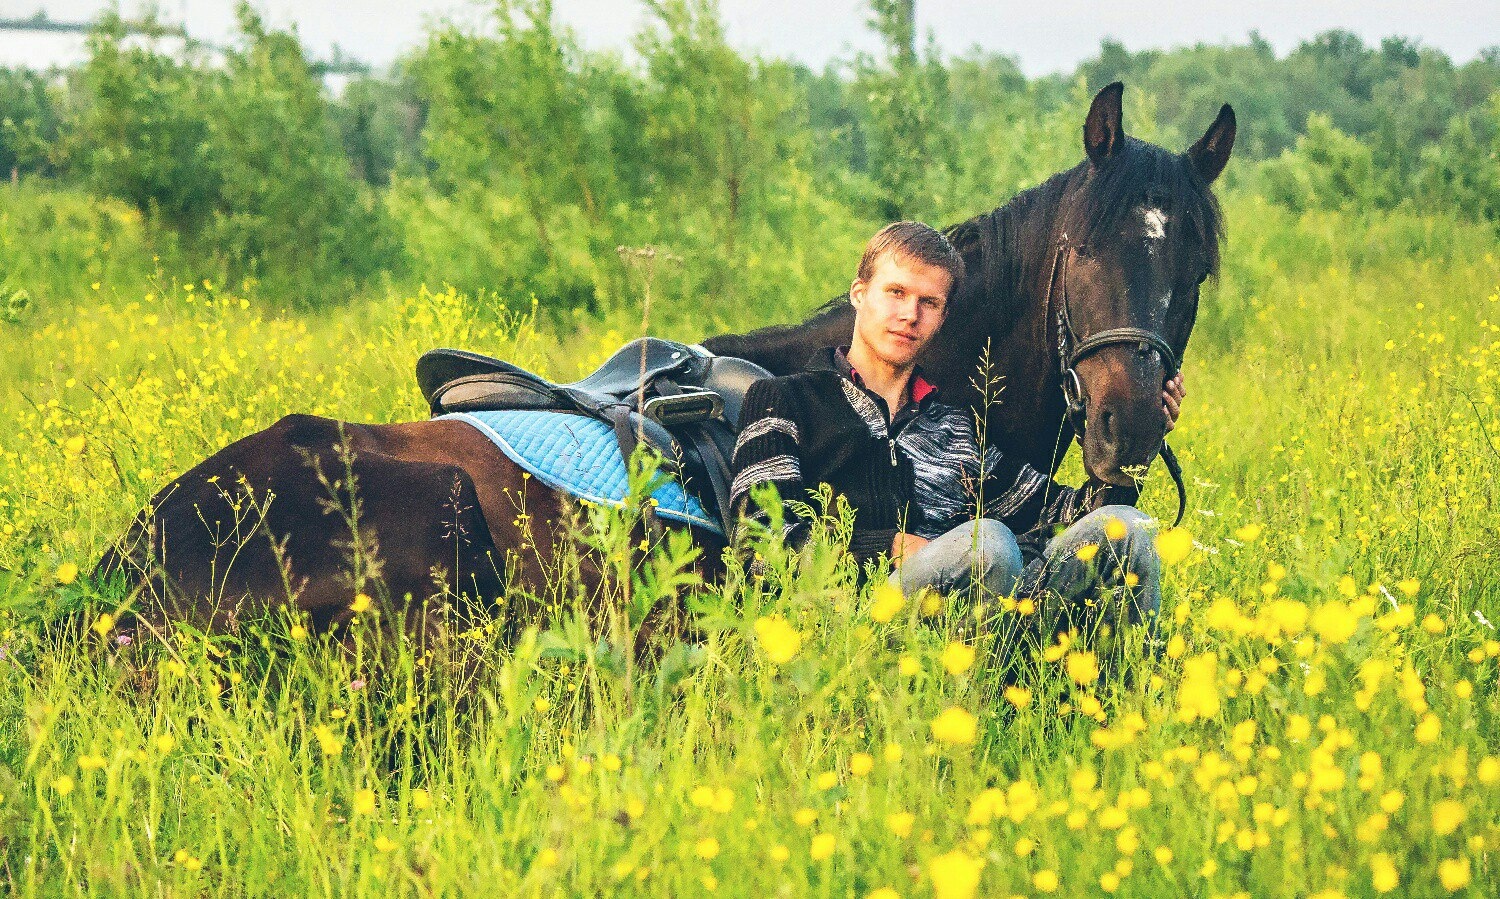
1071, 349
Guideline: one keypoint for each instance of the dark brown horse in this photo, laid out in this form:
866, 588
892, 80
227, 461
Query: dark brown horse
1091, 277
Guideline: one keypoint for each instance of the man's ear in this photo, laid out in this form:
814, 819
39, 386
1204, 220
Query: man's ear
857, 292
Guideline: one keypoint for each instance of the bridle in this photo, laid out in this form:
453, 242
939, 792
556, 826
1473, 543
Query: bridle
1071, 349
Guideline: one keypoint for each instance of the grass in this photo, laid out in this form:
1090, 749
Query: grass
1323, 721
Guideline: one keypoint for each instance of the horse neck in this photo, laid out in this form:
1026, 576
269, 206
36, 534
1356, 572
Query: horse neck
1011, 250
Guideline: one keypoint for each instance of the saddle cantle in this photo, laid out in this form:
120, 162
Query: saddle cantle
682, 400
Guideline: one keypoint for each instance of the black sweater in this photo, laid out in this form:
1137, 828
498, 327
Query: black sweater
922, 472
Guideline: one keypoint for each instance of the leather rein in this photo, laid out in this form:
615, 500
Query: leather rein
1071, 349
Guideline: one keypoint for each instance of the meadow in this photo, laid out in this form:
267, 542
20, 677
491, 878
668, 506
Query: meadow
1322, 721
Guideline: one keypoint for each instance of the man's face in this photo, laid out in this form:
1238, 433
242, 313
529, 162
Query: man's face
899, 309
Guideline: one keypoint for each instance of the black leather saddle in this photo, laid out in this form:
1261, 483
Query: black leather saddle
681, 400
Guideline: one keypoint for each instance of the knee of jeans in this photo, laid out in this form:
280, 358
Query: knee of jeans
997, 546
1140, 528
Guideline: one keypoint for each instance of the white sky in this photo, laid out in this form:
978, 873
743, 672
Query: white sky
1046, 36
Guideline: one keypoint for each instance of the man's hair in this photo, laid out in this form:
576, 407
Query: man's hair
913, 240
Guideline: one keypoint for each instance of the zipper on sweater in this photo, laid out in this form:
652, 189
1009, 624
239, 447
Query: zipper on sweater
892, 442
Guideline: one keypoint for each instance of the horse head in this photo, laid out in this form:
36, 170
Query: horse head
1135, 236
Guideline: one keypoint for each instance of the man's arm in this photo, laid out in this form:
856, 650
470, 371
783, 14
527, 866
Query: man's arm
768, 451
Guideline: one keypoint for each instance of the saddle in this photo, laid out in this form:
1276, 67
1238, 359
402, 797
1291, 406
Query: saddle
681, 400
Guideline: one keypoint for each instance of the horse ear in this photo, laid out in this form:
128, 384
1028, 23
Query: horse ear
1103, 132
1211, 153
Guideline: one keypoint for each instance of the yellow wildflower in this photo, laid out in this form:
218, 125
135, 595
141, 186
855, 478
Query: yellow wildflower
1447, 815
1175, 545
1335, 621
361, 603
957, 658
1383, 876
66, 573
363, 802
822, 846
956, 727
888, 601
778, 639
1454, 873
1428, 729
1083, 668
899, 823
955, 875
708, 847
861, 763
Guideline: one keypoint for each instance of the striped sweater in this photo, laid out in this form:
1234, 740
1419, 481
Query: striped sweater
922, 472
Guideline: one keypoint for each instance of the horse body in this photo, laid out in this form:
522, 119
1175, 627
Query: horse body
266, 518
1120, 242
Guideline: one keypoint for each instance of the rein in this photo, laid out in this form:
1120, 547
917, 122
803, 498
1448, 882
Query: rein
1071, 349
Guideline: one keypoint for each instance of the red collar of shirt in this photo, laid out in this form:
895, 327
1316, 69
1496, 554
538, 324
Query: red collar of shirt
920, 386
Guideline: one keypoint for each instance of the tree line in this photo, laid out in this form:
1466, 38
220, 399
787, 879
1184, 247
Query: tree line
512, 158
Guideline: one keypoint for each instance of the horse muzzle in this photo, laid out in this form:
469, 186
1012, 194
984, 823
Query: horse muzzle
1125, 423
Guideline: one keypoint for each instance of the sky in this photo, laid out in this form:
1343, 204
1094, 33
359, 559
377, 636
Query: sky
1045, 37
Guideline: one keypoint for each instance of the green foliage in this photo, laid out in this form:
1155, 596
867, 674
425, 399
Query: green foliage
509, 157
1328, 169
140, 129
287, 208
244, 161
1462, 170
30, 123
380, 123
908, 116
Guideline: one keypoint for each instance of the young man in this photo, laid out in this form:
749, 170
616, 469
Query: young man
863, 419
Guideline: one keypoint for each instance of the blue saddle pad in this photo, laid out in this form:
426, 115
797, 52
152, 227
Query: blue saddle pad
581, 457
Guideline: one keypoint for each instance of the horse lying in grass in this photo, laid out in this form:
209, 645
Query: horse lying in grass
1081, 295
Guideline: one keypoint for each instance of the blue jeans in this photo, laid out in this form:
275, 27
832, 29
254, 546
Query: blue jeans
985, 554
980, 553
1129, 560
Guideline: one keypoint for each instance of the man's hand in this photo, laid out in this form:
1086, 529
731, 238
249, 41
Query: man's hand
1171, 400
904, 544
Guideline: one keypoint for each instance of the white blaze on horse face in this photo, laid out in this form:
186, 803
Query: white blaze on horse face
1155, 222
1154, 225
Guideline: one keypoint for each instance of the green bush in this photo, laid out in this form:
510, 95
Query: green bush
1328, 169
244, 160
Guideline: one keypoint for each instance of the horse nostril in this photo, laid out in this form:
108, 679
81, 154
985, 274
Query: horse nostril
1107, 426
